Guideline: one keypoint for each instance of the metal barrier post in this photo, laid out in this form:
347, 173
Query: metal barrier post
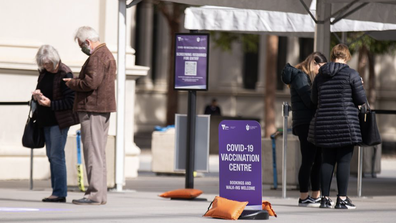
274, 171
31, 169
285, 114
360, 171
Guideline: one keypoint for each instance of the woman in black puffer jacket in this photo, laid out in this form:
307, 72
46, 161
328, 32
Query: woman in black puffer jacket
338, 91
299, 81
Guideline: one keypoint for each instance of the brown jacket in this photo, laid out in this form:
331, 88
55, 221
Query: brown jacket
95, 87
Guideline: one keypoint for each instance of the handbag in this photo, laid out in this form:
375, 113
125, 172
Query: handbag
368, 126
33, 135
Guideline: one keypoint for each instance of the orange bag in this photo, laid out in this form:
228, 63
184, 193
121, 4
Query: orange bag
225, 208
267, 206
182, 193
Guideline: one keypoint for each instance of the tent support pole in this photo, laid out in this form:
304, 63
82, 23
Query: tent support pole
322, 30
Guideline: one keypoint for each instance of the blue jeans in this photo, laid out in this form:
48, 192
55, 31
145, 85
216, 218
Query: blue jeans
55, 140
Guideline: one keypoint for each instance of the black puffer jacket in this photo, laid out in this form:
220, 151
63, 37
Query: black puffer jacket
300, 92
337, 90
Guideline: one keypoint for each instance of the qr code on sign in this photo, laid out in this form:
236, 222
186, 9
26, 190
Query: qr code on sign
190, 68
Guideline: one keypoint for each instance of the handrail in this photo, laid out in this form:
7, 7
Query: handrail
15, 103
386, 112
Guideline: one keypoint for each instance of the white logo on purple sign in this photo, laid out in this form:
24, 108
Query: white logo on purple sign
224, 127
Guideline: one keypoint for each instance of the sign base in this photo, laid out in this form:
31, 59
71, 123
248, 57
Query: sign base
191, 199
254, 215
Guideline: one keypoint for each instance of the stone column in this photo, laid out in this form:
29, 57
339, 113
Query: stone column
162, 54
145, 37
131, 149
293, 50
262, 58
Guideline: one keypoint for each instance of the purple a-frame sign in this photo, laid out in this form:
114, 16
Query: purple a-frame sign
240, 162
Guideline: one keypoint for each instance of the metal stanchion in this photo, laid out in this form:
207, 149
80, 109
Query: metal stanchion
285, 114
360, 171
274, 171
31, 169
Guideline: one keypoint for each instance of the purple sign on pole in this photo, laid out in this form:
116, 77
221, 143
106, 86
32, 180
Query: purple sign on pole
240, 161
191, 61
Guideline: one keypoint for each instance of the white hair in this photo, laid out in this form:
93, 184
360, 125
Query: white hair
47, 53
86, 33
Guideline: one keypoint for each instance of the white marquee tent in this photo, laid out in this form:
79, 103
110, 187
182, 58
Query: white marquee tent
327, 12
265, 21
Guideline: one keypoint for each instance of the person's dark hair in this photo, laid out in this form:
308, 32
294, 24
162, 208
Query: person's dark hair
319, 57
308, 64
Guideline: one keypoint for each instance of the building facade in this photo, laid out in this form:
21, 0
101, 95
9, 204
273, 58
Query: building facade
31, 24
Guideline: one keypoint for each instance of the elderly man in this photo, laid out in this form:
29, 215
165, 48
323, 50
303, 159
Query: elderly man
94, 101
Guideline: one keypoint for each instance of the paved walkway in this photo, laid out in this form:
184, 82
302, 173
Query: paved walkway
139, 202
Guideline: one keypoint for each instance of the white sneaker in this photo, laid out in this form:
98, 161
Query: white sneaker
309, 202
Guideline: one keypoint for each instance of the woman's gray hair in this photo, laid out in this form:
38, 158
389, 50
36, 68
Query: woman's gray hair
47, 53
86, 33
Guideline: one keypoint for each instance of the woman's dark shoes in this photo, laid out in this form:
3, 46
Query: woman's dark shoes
325, 202
55, 199
344, 204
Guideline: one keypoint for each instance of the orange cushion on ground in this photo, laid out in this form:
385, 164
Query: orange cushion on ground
225, 208
182, 193
267, 206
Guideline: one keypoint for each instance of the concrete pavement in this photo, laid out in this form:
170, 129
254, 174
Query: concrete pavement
139, 202
22, 205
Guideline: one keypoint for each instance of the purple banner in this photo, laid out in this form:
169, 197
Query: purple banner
191, 61
240, 161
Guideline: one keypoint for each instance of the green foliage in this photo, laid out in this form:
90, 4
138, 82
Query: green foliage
250, 43
224, 41
356, 40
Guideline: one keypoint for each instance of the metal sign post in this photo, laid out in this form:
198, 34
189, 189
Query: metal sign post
285, 114
191, 117
360, 171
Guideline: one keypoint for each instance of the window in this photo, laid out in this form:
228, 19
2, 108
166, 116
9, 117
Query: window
250, 46
306, 47
281, 62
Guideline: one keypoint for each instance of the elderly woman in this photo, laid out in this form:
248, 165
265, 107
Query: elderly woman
337, 91
55, 115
